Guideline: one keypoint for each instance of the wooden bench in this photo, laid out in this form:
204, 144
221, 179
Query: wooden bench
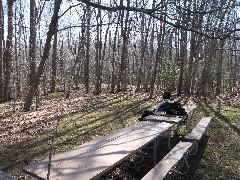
165, 165
198, 132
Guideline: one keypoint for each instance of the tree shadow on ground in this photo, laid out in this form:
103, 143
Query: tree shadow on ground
224, 118
36, 148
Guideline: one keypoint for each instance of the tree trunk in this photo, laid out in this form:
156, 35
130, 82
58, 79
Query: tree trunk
157, 61
182, 56
190, 64
54, 62
61, 65
219, 71
51, 31
113, 62
86, 64
122, 76
32, 44
1, 51
142, 48
98, 46
152, 82
7, 55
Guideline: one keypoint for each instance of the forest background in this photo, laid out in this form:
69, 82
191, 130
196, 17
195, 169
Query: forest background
190, 47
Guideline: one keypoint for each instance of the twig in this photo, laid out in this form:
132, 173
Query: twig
52, 144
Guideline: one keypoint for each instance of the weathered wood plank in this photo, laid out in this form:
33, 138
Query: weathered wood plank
169, 119
199, 130
165, 165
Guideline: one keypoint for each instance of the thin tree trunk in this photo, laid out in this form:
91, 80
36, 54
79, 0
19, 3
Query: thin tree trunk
123, 66
86, 64
113, 73
190, 63
142, 48
219, 71
151, 84
32, 44
51, 31
98, 57
7, 56
1, 51
61, 64
157, 61
54, 62
183, 50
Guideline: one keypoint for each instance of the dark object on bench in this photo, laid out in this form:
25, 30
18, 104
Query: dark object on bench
173, 108
198, 132
165, 165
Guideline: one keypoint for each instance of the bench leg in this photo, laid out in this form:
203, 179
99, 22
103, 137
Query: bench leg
169, 140
187, 124
195, 151
187, 166
177, 128
154, 152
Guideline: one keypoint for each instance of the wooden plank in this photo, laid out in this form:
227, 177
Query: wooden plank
165, 165
72, 153
169, 119
200, 128
95, 158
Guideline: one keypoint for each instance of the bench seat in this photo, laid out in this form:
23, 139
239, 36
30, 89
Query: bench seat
199, 130
165, 165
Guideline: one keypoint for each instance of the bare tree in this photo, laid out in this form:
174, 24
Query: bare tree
98, 56
54, 61
122, 76
51, 31
87, 61
114, 53
32, 44
1, 51
7, 55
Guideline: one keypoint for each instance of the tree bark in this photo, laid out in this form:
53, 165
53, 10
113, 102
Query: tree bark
122, 76
32, 44
87, 61
54, 62
7, 55
1, 51
157, 61
113, 62
51, 31
98, 47
219, 71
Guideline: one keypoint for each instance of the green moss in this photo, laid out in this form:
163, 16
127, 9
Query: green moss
56, 94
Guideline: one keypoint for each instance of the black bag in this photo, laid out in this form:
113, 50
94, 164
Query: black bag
173, 108
145, 114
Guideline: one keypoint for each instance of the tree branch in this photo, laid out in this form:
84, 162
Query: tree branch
151, 12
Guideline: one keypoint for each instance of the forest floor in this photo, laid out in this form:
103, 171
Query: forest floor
25, 136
